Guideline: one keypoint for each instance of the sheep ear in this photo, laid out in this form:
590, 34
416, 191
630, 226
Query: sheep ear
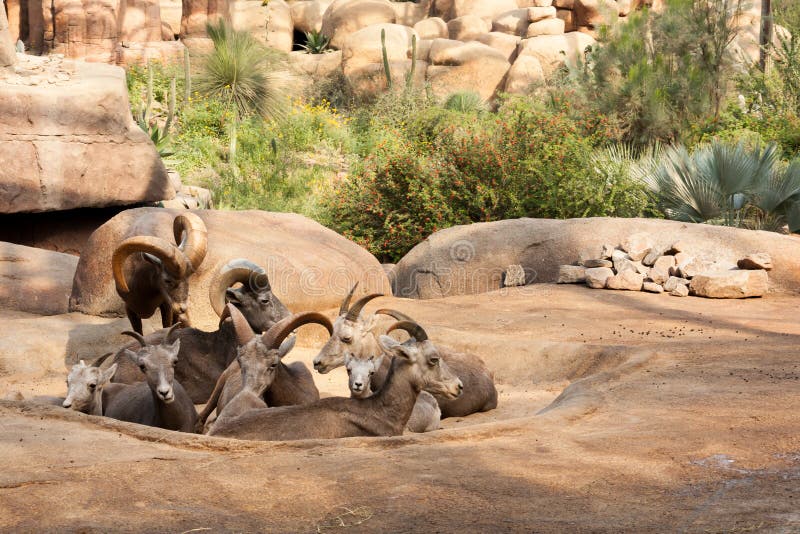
108, 374
175, 347
376, 363
394, 347
155, 260
286, 346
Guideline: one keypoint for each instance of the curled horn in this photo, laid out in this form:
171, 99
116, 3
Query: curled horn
355, 311
137, 336
241, 271
346, 302
169, 254
168, 338
275, 335
99, 361
394, 313
413, 329
244, 333
192, 237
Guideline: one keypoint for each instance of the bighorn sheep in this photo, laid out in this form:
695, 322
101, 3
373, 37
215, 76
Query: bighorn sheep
205, 355
157, 275
288, 384
86, 385
415, 366
160, 401
426, 415
359, 336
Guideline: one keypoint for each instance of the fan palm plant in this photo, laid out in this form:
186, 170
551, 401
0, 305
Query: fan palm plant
465, 102
239, 72
728, 184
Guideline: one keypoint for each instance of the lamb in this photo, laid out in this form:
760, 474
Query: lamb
426, 415
359, 336
415, 366
157, 275
205, 355
287, 384
86, 385
160, 401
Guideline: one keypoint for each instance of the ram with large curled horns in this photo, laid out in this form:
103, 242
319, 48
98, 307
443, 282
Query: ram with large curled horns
151, 273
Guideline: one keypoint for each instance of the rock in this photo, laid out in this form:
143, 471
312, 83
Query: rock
467, 66
34, 280
536, 14
652, 256
760, 260
467, 28
564, 4
534, 3
307, 14
429, 270
608, 251
442, 8
660, 272
388, 268
693, 268
317, 66
75, 145
637, 245
626, 280
554, 51
596, 278
502, 42
524, 75
731, 284
682, 259
676, 248
514, 22
410, 13
276, 25
345, 17
680, 290
482, 8
165, 52
140, 21
362, 57
545, 27
197, 13
622, 262
641, 268
673, 282
171, 11
310, 267
571, 274
592, 264
652, 287
84, 29
568, 16
432, 28
594, 13
624, 7
514, 276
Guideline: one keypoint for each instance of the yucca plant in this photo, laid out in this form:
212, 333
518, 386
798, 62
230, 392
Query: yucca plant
728, 184
316, 42
465, 102
239, 72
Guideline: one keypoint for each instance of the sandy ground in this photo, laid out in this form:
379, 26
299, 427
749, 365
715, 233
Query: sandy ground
618, 412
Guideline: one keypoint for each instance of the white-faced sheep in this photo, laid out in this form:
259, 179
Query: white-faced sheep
160, 401
415, 366
151, 273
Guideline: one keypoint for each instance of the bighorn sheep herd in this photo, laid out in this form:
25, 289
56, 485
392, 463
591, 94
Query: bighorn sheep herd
238, 370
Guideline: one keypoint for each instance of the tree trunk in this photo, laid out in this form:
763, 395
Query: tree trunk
8, 54
765, 38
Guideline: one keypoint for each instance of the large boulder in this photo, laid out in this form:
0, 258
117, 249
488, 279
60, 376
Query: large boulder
468, 27
733, 284
525, 74
34, 280
469, 66
85, 29
310, 267
362, 57
140, 20
471, 259
279, 26
70, 142
410, 13
432, 28
553, 51
171, 14
307, 14
593, 13
344, 17
505, 43
481, 8
197, 13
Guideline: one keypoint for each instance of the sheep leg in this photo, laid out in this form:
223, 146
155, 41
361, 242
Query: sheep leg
166, 315
136, 321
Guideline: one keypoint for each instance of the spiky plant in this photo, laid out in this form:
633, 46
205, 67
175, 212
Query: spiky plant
465, 102
239, 72
316, 42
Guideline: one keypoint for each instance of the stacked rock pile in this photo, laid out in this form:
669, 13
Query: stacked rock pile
638, 264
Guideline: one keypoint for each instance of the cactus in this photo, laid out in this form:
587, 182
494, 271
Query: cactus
410, 75
187, 76
170, 106
386, 69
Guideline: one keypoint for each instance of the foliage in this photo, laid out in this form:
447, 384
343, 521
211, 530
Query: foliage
316, 42
728, 184
465, 102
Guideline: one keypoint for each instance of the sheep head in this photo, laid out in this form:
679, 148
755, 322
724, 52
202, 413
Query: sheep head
157, 362
254, 298
428, 370
173, 263
84, 383
360, 371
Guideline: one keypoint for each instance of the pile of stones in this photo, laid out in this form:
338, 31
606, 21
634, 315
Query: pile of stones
637, 264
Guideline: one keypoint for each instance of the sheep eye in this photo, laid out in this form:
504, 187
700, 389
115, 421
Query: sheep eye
264, 300
347, 340
142, 367
273, 366
434, 361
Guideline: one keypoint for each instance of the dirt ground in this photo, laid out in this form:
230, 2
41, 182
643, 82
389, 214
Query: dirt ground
618, 412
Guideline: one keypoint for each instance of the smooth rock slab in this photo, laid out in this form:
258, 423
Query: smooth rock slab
731, 285
34, 280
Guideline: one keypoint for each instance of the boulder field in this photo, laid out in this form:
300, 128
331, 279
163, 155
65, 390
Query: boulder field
616, 413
